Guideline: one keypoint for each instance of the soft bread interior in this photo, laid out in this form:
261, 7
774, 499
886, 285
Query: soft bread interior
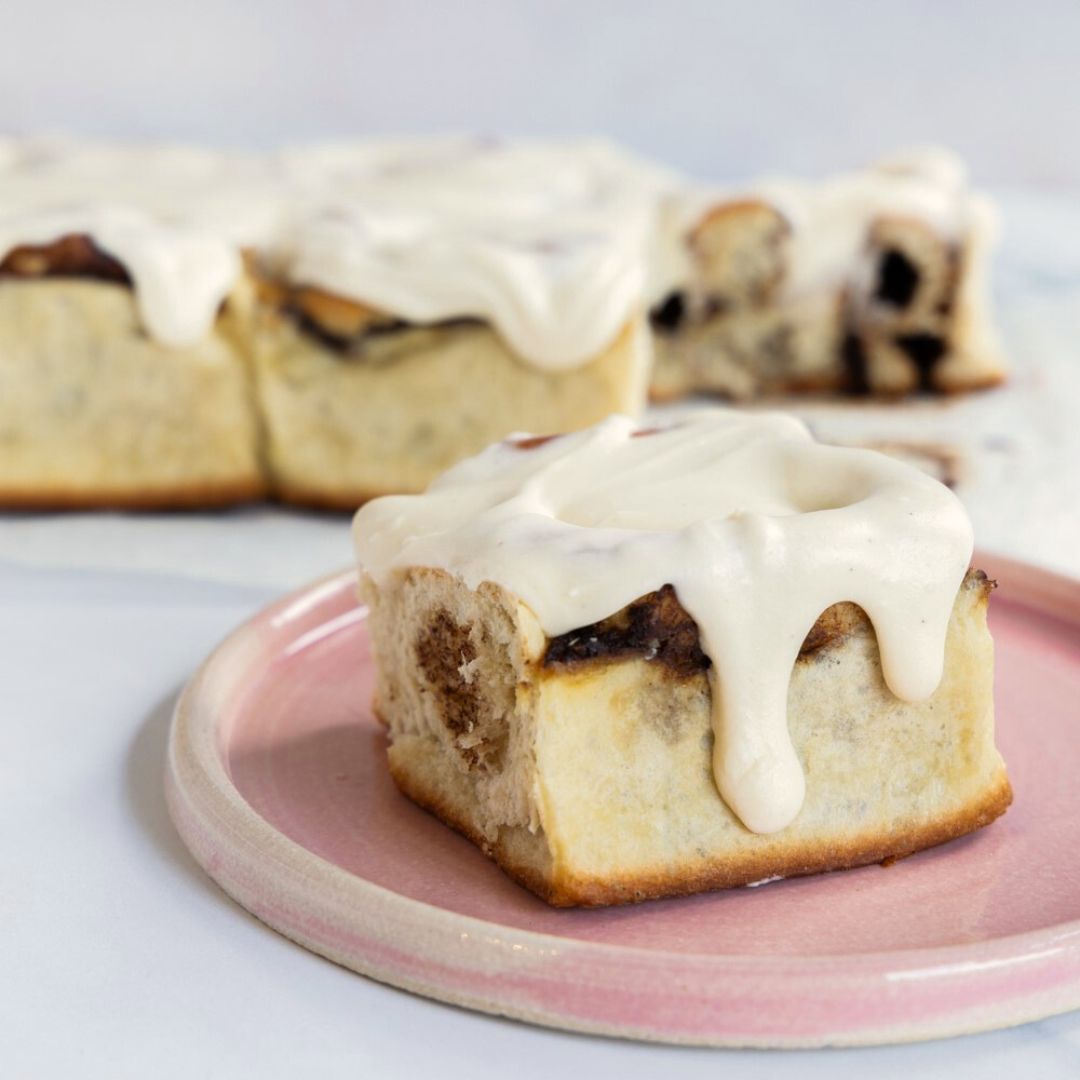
95, 412
592, 783
397, 408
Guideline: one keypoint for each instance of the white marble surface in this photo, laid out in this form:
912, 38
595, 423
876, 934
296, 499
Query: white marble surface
120, 959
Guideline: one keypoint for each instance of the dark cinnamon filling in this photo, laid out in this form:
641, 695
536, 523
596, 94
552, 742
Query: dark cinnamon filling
657, 627
667, 316
856, 365
337, 342
354, 344
72, 256
924, 350
898, 279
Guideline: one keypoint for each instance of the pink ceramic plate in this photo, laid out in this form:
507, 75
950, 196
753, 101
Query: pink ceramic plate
277, 782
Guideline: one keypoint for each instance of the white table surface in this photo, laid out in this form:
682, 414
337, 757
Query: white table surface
119, 958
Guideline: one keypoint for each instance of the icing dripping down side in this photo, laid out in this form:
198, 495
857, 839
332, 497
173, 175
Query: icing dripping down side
759, 529
175, 217
181, 275
546, 241
555, 243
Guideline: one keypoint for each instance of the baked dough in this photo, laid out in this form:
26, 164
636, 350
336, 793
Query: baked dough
356, 404
588, 779
135, 370
95, 413
873, 283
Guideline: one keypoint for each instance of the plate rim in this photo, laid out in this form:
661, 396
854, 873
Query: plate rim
213, 817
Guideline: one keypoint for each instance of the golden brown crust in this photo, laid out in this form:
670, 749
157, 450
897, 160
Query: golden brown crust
567, 892
522, 872
985, 381
979, 794
733, 210
562, 890
334, 501
739, 248
188, 496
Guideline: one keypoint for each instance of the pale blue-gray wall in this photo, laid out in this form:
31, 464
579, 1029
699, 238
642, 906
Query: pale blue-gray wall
721, 88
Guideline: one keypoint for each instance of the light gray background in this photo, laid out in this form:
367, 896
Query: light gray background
724, 89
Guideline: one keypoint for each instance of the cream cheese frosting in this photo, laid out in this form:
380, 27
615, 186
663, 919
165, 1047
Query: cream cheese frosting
758, 527
546, 241
181, 275
556, 244
242, 198
176, 217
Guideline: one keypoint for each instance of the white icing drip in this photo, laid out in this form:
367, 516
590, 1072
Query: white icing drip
759, 529
556, 244
181, 275
174, 216
546, 241
557, 302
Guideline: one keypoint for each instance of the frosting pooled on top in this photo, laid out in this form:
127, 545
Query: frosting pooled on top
758, 527
556, 244
546, 241
174, 216
181, 275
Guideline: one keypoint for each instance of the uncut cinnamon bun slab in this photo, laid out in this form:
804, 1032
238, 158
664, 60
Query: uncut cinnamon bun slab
869, 283
96, 410
625, 675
